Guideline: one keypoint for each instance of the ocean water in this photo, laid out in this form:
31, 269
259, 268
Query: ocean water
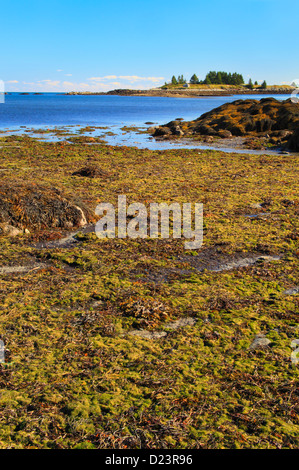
52, 110
57, 109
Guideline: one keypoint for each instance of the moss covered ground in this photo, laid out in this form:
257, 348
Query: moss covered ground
74, 376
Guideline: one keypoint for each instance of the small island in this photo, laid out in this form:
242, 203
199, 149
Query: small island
215, 84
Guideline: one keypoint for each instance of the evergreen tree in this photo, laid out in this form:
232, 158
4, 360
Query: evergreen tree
264, 85
174, 81
219, 77
234, 79
225, 78
250, 84
194, 79
240, 79
181, 80
212, 76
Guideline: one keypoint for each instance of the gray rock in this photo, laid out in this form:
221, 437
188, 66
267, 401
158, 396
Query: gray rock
260, 216
20, 269
181, 323
10, 230
260, 341
148, 334
244, 262
292, 291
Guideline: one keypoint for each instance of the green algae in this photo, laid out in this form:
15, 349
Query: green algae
75, 378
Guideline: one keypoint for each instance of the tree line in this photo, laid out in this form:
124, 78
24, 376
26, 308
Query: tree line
216, 78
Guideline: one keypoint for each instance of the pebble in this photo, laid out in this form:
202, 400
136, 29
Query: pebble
260, 341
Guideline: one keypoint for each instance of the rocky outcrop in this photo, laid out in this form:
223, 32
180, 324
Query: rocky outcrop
26, 206
293, 143
162, 131
182, 92
268, 118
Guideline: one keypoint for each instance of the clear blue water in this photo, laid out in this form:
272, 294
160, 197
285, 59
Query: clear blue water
50, 110
57, 109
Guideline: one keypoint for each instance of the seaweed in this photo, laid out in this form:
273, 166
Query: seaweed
75, 376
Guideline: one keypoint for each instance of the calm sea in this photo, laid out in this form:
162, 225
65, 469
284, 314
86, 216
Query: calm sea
56, 110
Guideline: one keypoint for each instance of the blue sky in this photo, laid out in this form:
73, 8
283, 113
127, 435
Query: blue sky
99, 45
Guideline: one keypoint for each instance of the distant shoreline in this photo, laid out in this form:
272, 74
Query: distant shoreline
190, 92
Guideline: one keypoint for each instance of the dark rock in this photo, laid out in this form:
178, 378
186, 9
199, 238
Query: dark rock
282, 135
90, 172
161, 131
177, 131
224, 134
288, 202
152, 129
250, 118
274, 140
204, 130
172, 124
264, 125
293, 143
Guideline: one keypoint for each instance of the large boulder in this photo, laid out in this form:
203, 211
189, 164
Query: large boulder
204, 129
267, 117
162, 131
32, 206
224, 134
177, 131
293, 143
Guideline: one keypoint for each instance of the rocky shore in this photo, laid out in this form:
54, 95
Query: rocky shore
262, 123
193, 92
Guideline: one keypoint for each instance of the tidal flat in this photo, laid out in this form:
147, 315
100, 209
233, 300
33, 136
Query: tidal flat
129, 344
